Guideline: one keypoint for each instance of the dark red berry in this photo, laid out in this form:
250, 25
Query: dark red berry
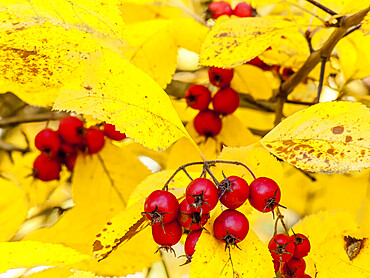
281, 247
302, 245
207, 123
264, 194
47, 140
287, 72
233, 191
198, 97
161, 207
243, 9
71, 129
191, 241
45, 168
294, 268
94, 140
225, 101
167, 235
306, 276
111, 132
216, 9
257, 62
70, 161
220, 77
231, 227
276, 266
189, 218
202, 194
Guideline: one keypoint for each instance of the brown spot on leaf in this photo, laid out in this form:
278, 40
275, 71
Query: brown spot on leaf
330, 151
105, 229
338, 129
109, 223
97, 246
108, 246
98, 235
353, 246
348, 138
269, 146
363, 152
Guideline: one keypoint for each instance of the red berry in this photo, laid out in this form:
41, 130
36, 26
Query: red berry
302, 245
231, 227
287, 72
264, 194
94, 140
207, 123
234, 191
216, 9
198, 97
47, 140
281, 247
189, 218
45, 168
167, 235
70, 161
71, 129
111, 132
276, 266
243, 9
191, 241
294, 268
220, 77
306, 276
161, 207
225, 101
202, 194
257, 62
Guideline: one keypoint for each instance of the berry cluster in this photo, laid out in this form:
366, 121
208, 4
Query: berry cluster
62, 146
225, 101
242, 9
288, 253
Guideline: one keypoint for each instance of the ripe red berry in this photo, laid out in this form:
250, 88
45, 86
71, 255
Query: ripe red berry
276, 266
243, 9
202, 194
216, 9
220, 77
264, 194
293, 268
281, 247
302, 245
287, 72
45, 168
257, 62
306, 276
234, 191
70, 161
207, 123
71, 129
225, 101
161, 207
111, 132
231, 227
167, 235
47, 140
94, 140
189, 218
198, 97
191, 241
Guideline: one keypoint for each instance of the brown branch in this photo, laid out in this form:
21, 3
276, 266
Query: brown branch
30, 118
322, 7
345, 23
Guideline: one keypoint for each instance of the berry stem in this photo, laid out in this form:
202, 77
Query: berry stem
280, 217
322, 7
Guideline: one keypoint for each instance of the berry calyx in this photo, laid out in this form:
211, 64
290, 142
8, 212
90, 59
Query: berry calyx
94, 140
264, 194
207, 123
167, 235
71, 129
202, 194
47, 141
113, 134
243, 9
293, 268
225, 101
233, 192
189, 218
190, 243
302, 245
198, 97
216, 9
161, 207
45, 168
281, 247
220, 77
231, 227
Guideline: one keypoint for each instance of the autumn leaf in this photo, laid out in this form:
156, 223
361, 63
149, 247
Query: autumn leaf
236, 41
83, 274
327, 137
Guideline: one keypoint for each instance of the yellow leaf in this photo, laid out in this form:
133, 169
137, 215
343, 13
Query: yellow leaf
32, 253
83, 274
55, 272
113, 90
235, 41
152, 49
251, 80
326, 137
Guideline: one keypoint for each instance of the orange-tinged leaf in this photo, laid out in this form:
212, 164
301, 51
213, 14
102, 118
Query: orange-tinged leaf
233, 42
32, 253
326, 137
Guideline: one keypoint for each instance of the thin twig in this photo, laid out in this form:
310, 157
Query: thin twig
322, 7
281, 217
352, 30
31, 118
321, 80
